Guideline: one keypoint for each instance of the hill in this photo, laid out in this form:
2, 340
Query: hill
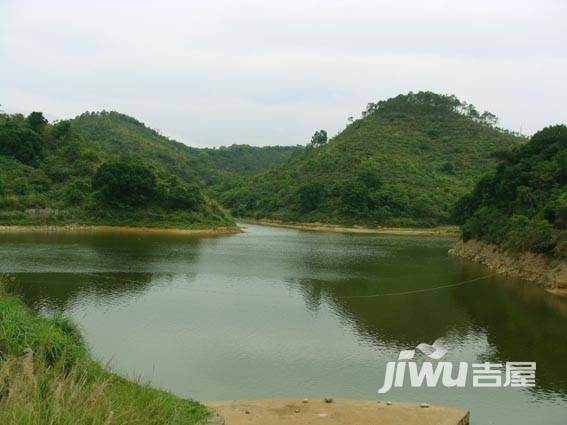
405, 162
51, 174
522, 205
123, 135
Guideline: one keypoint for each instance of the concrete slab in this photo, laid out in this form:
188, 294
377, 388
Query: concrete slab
339, 412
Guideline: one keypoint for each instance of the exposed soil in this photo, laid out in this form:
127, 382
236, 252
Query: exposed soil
322, 227
537, 268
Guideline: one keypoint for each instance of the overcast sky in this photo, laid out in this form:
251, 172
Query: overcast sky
211, 73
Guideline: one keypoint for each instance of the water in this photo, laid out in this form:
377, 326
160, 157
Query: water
267, 314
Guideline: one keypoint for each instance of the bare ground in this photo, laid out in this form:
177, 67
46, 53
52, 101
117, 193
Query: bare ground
340, 412
321, 227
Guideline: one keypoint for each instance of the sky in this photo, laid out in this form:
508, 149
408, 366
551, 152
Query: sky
261, 72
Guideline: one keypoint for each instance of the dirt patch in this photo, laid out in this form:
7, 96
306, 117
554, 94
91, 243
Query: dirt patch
536, 268
321, 227
340, 412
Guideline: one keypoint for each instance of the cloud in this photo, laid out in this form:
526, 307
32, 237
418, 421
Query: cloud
213, 73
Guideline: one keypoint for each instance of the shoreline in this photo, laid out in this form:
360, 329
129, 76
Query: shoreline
49, 373
331, 228
80, 228
80, 376
550, 274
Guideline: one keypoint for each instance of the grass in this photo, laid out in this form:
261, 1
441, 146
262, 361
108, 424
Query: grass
48, 377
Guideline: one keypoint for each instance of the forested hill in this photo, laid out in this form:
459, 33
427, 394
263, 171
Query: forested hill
124, 135
404, 162
51, 174
522, 205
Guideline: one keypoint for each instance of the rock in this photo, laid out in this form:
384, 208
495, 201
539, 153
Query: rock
389, 403
328, 399
528, 266
215, 420
424, 405
296, 410
305, 400
247, 412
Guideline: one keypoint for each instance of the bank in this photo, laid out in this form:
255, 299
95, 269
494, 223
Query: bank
84, 228
47, 376
333, 228
549, 273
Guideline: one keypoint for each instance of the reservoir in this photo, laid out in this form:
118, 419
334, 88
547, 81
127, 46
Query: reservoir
284, 313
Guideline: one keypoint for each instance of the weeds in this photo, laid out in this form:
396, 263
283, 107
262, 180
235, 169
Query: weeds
48, 378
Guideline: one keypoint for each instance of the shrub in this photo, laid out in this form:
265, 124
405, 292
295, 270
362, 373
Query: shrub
179, 196
310, 196
77, 192
22, 144
486, 223
536, 235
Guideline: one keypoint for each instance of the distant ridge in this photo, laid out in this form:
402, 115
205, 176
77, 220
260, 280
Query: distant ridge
405, 162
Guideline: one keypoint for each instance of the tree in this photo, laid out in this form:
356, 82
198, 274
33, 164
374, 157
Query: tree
523, 204
36, 121
21, 143
61, 129
180, 196
126, 184
489, 118
310, 196
319, 138
370, 177
355, 198
77, 191
472, 112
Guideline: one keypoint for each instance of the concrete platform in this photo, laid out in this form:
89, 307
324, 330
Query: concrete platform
339, 412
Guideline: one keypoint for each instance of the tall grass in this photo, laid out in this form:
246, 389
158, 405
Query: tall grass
48, 378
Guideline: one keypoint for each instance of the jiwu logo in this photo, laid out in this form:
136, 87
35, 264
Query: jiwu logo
450, 375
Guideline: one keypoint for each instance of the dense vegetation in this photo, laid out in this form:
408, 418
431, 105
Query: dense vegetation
522, 206
48, 377
51, 174
405, 162
209, 167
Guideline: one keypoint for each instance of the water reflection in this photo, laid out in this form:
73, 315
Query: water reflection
522, 323
376, 296
283, 313
103, 252
62, 291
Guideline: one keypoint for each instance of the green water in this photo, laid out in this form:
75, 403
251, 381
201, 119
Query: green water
278, 313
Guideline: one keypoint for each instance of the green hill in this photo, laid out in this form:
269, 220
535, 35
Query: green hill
522, 205
120, 134
405, 162
51, 174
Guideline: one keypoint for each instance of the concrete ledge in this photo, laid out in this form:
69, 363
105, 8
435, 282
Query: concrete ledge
339, 412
